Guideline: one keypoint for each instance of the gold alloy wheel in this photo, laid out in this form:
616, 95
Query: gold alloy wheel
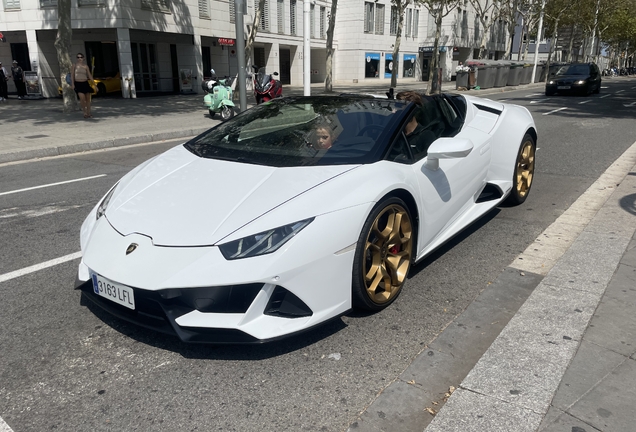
525, 169
387, 254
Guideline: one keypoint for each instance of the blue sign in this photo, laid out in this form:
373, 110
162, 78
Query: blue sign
388, 56
409, 57
372, 56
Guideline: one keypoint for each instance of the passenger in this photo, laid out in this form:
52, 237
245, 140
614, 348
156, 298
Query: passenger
324, 137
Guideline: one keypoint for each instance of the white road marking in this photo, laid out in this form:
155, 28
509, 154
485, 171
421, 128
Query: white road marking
4, 427
620, 91
534, 94
585, 101
538, 101
46, 210
37, 267
556, 110
604, 96
630, 104
52, 184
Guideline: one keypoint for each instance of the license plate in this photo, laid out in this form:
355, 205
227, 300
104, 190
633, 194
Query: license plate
563, 87
116, 292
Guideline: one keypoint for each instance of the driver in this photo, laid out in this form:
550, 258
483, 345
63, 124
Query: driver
418, 136
324, 137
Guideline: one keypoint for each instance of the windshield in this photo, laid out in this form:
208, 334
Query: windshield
262, 77
574, 70
304, 132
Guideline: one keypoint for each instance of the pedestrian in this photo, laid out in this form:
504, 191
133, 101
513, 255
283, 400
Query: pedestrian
4, 77
18, 79
80, 76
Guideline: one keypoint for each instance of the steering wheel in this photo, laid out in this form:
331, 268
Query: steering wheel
372, 131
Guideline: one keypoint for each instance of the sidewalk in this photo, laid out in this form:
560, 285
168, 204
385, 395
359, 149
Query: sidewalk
38, 128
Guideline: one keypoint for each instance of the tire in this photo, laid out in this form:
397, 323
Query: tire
211, 113
101, 89
383, 256
523, 171
227, 112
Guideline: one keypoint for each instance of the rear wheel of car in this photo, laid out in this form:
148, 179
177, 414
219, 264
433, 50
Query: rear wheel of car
101, 89
524, 171
383, 255
227, 112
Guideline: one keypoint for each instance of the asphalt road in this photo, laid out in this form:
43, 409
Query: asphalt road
66, 367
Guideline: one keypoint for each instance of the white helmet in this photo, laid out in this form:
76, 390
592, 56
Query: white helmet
211, 84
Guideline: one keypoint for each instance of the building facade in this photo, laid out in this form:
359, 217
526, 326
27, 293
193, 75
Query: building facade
171, 45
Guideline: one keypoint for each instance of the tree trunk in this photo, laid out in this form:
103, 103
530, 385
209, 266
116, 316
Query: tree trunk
252, 35
484, 38
62, 47
435, 63
571, 45
330, 29
401, 7
552, 46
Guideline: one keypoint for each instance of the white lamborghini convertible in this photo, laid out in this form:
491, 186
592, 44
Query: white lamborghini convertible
298, 210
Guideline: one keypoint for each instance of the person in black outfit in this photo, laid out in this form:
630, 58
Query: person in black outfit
18, 79
3, 83
419, 137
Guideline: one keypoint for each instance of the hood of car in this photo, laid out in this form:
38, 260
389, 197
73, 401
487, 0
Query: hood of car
179, 199
569, 78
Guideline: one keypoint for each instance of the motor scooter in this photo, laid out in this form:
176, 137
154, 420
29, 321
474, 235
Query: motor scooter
265, 86
218, 98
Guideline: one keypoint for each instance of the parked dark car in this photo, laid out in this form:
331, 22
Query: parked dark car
579, 78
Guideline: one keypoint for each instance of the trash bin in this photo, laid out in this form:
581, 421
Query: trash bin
526, 74
486, 76
502, 74
472, 78
514, 75
461, 79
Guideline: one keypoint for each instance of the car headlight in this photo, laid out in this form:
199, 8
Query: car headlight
580, 82
262, 243
101, 209
551, 82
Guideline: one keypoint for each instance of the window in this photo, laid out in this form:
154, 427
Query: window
477, 35
409, 17
379, 19
292, 17
416, 22
264, 26
280, 15
312, 19
11, 4
232, 12
323, 17
368, 17
394, 21
155, 5
204, 9
464, 25
48, 3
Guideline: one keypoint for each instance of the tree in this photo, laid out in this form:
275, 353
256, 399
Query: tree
330, 30
438, 9
62, 47
483, 8
260, 7
554, 11
401, 6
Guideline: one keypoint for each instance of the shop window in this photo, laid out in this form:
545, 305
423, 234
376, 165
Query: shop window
11, 4
389, 65
379, 19
204, 9
371, 65
292, 17
408, 68
48, 3
394, 21
207, 61
409, 16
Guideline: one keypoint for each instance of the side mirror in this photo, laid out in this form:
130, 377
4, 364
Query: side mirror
447, 148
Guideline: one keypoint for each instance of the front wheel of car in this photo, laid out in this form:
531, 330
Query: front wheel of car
383, 255
524, 171
549, 93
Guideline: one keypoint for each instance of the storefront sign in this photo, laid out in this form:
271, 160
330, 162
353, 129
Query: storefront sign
372, 56
442, 49
32, 84
226, 42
